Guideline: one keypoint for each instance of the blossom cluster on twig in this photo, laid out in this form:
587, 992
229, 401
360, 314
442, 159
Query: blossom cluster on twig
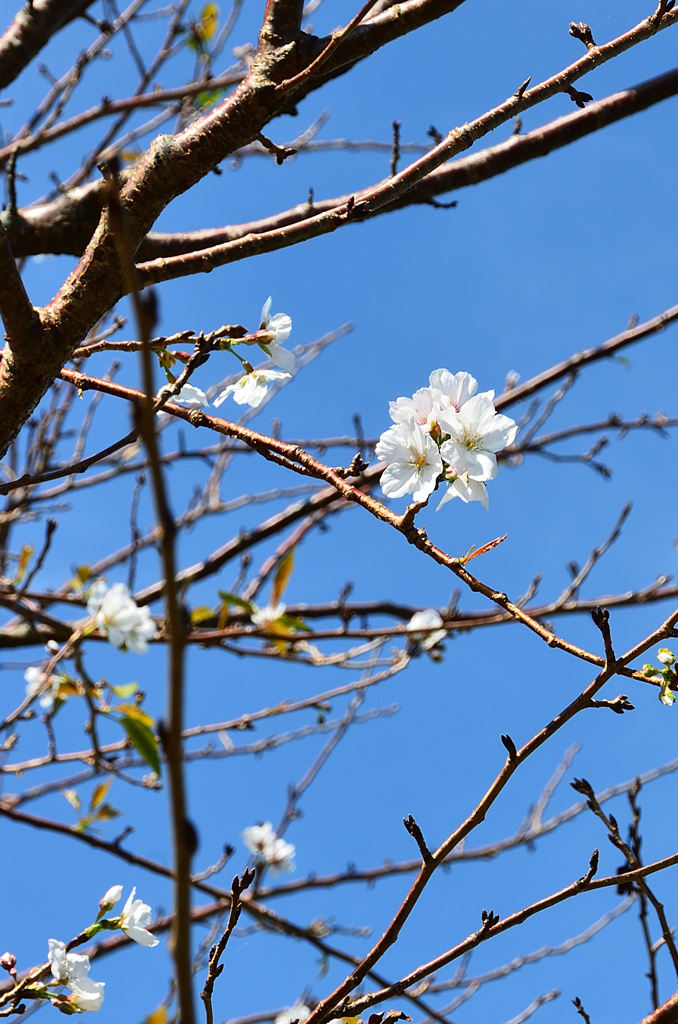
444, 432
70, 970
251, 389
268, 848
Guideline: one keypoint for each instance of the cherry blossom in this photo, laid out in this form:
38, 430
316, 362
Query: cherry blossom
269, 848
191, 396
251, 389
423, 407
466, 489
133, 920
476, 432
299, 1011
279, 326
117, 615
428, 620
266, 616
71, 969
454, 389
37, 681
413, 461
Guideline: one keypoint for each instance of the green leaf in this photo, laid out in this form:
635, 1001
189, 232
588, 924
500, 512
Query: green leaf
126, 690
208, 97
294, 623
228, 598
143, 740
282, 577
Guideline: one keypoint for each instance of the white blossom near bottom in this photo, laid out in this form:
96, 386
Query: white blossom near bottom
413, 461
71, 969
299, 1011
466, 489
135, 917
430, 621
268, 848
251, 389
119, 618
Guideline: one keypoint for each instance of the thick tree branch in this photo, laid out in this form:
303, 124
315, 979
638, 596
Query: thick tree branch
388, 195
31, 30
23, 330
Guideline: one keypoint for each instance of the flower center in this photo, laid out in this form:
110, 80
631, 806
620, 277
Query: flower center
472, 441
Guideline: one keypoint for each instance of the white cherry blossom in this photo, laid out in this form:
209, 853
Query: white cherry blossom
454, 389
191, 396
466, 489
280, 856
266, 616
36, 681
258, 837
299, 1011
71, 969
251, 389
422, 407
279, 326
119, 617
268, 848
413, 461
430, 621
476, 432
135, 916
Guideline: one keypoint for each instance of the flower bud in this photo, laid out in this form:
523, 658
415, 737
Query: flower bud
665, 656
8, 962
666, 695
110, 898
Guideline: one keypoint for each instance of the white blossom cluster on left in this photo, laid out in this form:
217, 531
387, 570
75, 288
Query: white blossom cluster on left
70, 970
444, 432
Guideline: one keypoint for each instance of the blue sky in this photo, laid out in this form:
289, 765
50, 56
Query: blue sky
530, 267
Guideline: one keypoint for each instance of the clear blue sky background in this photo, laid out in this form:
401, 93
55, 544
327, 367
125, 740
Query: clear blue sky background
530, 267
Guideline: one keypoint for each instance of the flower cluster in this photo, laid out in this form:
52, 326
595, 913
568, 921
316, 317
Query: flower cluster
251, 389
665, 676
444, 430
430, 622
71, 969
119, 618
268, 848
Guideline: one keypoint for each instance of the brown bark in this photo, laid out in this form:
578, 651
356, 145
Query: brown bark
32, 28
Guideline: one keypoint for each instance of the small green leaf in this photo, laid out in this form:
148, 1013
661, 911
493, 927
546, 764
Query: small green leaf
143, 740
228, 598
126, 690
